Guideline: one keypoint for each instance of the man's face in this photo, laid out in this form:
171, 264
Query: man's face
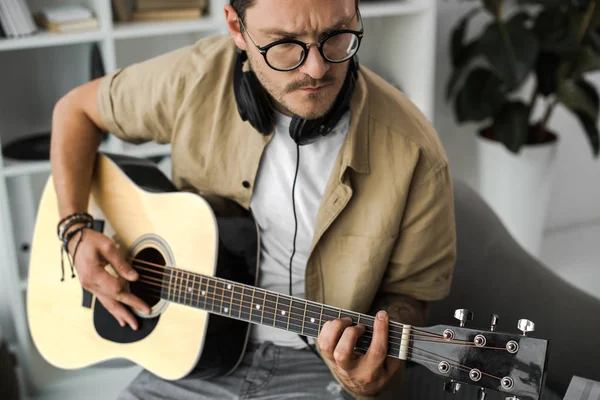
309, 90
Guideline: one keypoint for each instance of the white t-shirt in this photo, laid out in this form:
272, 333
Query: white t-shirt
271, 206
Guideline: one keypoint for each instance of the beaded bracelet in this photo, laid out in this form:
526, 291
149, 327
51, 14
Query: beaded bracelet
69, 221
65, 248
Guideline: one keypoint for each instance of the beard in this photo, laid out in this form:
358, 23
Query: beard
304, 105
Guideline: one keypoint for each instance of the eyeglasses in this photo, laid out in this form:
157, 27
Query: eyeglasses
288, 54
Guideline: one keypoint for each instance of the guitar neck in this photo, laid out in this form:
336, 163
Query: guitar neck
259, 306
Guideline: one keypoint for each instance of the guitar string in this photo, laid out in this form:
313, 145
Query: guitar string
275, 320
454, 341
425, 334
456, 363
393, 349
240, 302
368, 318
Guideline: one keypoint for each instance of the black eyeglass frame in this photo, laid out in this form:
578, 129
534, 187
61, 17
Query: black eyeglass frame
306, 46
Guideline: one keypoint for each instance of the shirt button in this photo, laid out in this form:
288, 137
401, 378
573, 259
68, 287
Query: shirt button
246, 184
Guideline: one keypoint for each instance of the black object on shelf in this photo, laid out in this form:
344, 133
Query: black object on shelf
32, 148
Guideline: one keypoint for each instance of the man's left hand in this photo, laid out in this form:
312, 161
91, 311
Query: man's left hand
366, 374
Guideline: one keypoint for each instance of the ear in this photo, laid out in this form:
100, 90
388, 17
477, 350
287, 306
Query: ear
233, 24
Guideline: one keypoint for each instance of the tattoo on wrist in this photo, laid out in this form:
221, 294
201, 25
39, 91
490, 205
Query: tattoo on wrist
402, 308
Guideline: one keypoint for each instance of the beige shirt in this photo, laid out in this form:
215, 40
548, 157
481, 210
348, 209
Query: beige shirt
386, 222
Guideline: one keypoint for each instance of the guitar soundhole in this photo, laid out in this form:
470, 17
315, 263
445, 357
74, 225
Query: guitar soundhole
150, 265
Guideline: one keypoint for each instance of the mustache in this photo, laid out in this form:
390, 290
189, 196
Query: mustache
309, 82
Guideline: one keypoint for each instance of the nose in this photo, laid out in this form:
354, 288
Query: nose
315, 65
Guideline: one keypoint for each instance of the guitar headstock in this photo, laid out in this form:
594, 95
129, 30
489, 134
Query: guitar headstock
514, 364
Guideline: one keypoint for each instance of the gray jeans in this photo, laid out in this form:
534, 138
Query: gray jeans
270, 372
266, 372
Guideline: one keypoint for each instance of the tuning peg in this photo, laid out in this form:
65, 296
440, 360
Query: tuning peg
481, 394
463, 315
494, 322
452, 387
526, 326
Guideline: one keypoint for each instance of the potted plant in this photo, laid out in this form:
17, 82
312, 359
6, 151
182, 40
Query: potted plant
551, 44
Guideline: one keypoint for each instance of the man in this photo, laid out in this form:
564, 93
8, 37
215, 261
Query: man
347, 181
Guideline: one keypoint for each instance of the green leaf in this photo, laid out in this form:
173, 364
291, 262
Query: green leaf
556, 30
511, 50
591, 129
579, 96
587, 60
480, 97
468, 54
547, 68
511, 125
593, 39
493, 6
457, 47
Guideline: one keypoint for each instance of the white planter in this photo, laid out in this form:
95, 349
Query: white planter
517, 187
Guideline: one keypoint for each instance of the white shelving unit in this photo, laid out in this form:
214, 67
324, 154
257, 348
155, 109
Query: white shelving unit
36, 71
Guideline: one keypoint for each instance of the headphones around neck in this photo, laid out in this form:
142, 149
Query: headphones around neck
255, 106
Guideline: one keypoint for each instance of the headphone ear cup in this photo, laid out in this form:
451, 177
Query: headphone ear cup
252, 101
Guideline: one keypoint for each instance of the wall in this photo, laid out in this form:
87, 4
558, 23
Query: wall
576, 192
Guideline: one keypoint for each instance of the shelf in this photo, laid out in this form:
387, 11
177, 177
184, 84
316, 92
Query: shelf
13, 168
150, 149
50, 39
389, 8
131, 30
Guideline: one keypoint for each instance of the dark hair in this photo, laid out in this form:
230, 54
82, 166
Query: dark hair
240, 6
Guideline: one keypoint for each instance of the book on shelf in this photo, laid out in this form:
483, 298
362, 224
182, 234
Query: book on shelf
167, 14
155, 10
67, 18
170, 4
16, 19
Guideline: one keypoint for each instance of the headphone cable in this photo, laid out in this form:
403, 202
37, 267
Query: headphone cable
295, 235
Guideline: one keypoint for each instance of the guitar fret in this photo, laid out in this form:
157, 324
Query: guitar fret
169, 294
196, 291
191, 289
262, 310
282, 317
211, 294
203, 293
230, 289
187, 288
270, 309
296, 316
312, 317
321, 319
304, 317
276, 310
181, 288
220, 293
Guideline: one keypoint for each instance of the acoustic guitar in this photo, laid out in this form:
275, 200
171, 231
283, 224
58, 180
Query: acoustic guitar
197, 258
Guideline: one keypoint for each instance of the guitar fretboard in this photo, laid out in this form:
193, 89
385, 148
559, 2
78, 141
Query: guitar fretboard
260, 306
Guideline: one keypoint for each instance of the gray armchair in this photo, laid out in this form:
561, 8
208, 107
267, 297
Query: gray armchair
494, 274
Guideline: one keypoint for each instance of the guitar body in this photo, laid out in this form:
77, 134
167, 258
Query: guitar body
197, 258
137, 206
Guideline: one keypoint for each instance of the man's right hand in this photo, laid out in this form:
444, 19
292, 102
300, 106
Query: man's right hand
95, 251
